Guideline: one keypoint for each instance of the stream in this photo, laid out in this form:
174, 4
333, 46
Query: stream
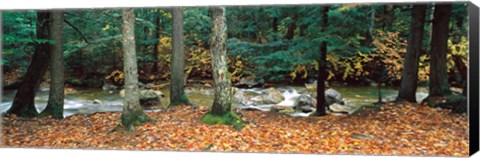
88, 101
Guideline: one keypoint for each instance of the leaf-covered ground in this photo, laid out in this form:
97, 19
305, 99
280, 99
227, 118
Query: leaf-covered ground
392, 130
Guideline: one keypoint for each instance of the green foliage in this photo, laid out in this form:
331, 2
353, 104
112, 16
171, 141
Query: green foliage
19, 37
256, 41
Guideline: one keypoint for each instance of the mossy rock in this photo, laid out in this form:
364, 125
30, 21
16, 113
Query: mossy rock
229, 118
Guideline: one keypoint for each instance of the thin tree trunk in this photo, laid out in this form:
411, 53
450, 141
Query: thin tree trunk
438, 85
275, 24
155, 47
132, 113
57, 80
221, 76
23, 103
408, 85
177, 92
322, 67
291, 28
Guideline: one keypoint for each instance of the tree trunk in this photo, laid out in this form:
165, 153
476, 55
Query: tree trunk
177, 93
57, 80
291, 28
221, 76
220, 112
132, 114
155, 47
23, 103
408, 85
275, 24
322, 67
438, 85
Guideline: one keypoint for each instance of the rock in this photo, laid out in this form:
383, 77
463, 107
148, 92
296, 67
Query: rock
148, 97
207, 85
271, 96
107, 86
332, 96
305, 103
238, 96
96, 101
248, 82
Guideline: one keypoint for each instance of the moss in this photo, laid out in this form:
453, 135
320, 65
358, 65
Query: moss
183, 100
228, 118
131, 120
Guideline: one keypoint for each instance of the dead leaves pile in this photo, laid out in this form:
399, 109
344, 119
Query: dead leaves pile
408, 129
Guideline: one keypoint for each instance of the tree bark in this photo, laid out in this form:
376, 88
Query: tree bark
177, 92
221, 76
155, 47
275, 24
408, 85
221, 112
132, 113
291, 28
23, 103
57, 79
438, 85
322, 67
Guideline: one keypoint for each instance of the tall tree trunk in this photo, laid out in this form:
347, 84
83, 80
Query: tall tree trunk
408, 85
221, 76
57, 80
221, 113
438, 85
23, 103
155, 47
322, 67
177, 92
132, 113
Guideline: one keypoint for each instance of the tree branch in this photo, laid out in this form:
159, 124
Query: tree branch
76, 29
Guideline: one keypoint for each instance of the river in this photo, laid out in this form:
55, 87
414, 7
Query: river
83, 101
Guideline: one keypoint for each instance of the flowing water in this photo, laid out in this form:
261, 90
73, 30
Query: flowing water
87, 101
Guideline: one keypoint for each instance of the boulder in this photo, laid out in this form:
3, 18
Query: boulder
271, 96
305, 103
332, 96
148, 97
248, 82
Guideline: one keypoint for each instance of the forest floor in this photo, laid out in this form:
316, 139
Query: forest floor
408, 129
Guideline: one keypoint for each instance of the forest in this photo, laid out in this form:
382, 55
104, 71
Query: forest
383, 79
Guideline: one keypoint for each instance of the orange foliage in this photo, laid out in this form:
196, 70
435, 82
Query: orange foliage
408, 129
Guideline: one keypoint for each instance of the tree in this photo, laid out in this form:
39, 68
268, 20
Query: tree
408, 85
156, 35
322, 67
177, 92
23, 103
132, 114
57, 80
221, 112
438, 84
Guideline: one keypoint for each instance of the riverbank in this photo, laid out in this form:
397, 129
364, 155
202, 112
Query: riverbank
391, 130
